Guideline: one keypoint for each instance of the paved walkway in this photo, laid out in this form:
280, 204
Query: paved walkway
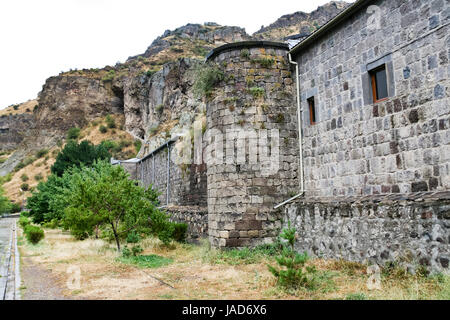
9, 260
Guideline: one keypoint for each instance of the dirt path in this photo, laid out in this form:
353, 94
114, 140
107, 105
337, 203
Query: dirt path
39, 283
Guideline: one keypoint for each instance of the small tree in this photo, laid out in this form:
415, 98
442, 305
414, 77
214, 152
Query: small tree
104, 195
292, 273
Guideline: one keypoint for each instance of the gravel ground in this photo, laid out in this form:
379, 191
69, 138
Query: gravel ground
38, 283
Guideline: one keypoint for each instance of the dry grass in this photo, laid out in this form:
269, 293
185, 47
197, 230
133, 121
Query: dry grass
195, 275
39, 166
22, 108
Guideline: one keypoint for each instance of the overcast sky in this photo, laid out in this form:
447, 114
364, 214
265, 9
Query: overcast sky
40, 38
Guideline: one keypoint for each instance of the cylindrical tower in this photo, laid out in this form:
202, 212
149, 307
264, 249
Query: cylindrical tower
252, 147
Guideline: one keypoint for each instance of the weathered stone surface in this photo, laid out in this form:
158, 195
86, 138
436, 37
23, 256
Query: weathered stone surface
375, 230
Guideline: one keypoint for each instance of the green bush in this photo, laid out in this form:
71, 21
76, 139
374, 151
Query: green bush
103, 129
73, 133
137, 250
53, 224
206, 78
24, 177
24, 186
137, 145
41, 153
179, 232
38, 177
133, 237
34, 234
24, 222
110, 122
15, 208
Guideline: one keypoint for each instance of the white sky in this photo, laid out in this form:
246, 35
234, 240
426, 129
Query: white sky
40, 38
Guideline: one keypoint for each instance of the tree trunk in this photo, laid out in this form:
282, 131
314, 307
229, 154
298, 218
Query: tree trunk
116, 236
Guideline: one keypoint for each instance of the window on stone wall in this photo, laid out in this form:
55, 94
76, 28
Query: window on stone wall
379, 83
312, 111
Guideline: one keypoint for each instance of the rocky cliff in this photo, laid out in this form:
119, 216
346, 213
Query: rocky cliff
300, 24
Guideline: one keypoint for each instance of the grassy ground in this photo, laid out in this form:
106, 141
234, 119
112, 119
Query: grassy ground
186, 271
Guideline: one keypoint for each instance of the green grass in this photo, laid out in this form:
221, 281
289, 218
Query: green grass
151, 261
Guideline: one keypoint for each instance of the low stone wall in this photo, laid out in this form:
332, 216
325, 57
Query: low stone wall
411, 229
195, 217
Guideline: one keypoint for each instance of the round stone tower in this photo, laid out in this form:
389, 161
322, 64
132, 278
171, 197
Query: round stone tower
251, 142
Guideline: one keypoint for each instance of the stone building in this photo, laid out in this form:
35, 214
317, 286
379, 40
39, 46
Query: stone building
359, 115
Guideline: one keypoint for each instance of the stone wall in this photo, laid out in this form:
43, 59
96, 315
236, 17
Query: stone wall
195, 217
256, 99
412, 230
187, 183
400, 145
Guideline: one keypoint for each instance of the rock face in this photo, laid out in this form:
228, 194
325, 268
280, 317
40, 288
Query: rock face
13, 129
72, 101
163, 103
301, 23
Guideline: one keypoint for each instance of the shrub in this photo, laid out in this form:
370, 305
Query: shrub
137, 145
137, 250
109, 76
73, 133
245, 54
41, 153
206, 78
38, 177
24, 186
53, 224
179, 232
292, 273
24, 177
103, 129
264, 62
15, 208
110, 122
257, 92
24, 222
34, 234
133, 237
19, 166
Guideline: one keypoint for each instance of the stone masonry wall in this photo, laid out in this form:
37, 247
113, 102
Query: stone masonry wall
187, 183
412, 230
257, 96
400, 145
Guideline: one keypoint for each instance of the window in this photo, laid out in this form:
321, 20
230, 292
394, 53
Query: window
379, 83
312, 111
